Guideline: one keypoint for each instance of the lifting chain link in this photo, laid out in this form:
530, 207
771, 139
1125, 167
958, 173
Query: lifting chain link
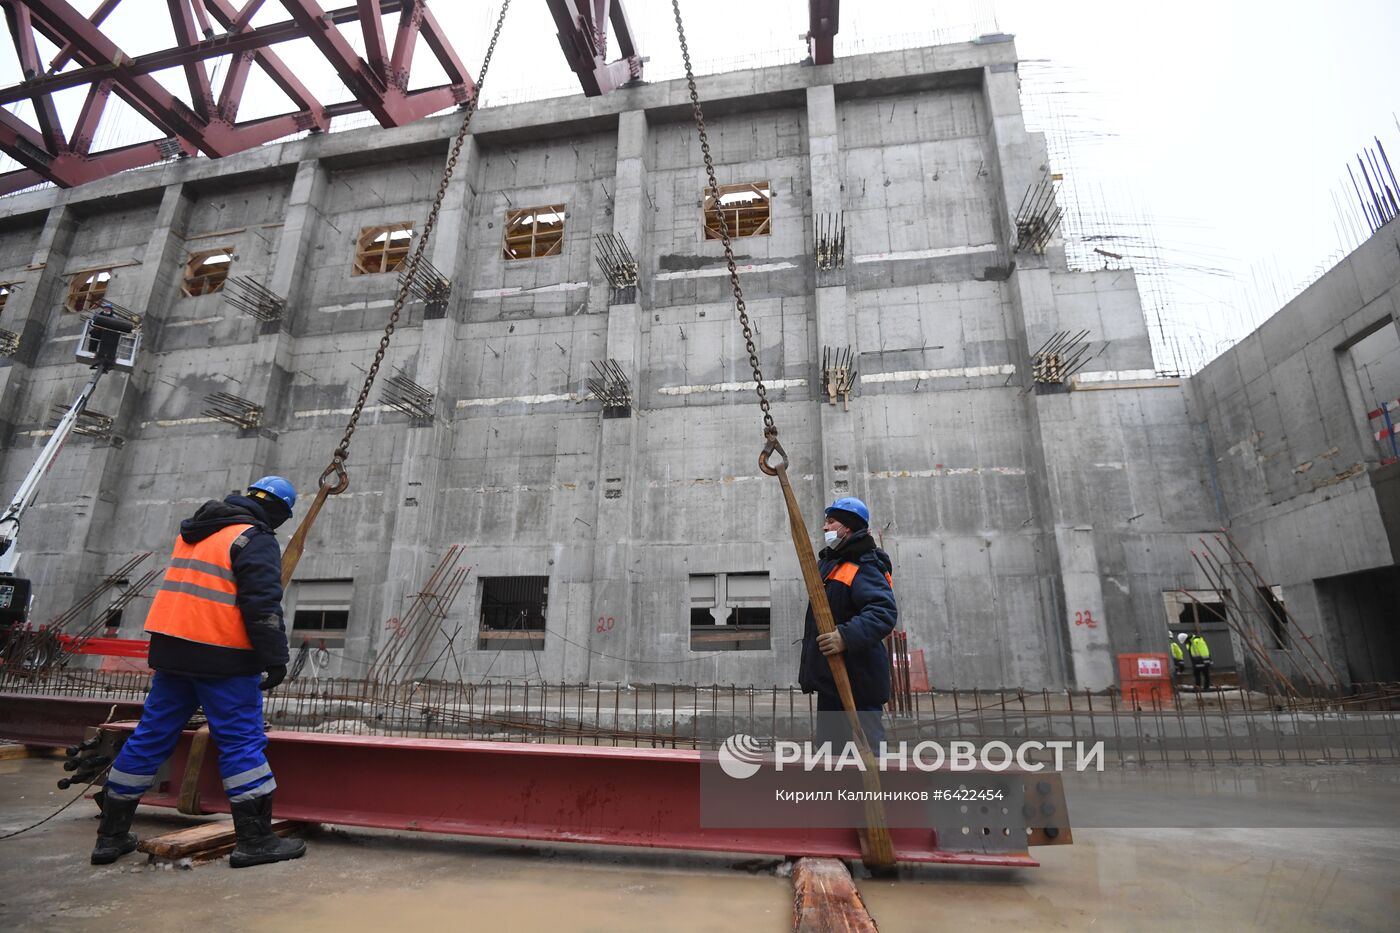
342, 450
770, 429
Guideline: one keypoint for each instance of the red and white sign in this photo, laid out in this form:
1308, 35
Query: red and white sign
1150, 667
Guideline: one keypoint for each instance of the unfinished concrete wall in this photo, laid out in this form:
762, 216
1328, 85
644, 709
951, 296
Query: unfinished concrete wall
1032, 531
1293, 450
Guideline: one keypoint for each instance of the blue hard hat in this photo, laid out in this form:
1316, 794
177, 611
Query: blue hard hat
279, 487
850, 504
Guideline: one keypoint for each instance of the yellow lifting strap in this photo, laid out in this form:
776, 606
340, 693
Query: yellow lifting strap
335, 480
877, 849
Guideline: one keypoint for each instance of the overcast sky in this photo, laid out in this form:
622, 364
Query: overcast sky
1228, 123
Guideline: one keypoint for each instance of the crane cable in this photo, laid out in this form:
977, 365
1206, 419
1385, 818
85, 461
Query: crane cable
335, 480
877, 848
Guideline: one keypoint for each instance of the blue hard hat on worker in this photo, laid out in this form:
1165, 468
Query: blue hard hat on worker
277, 487
849, 511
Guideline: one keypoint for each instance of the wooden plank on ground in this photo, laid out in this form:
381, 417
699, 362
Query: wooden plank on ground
204, 840
10, 751
825, 899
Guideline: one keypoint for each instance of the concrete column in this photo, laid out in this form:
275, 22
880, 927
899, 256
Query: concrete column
835, 318
1090, 654
418, 532
619, 497
1034, 302
272, 358
97, 541
27, 313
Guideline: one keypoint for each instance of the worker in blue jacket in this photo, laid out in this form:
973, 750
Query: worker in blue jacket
859, 587
215, 626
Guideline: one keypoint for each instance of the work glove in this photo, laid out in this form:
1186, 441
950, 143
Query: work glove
831, 643
275, 675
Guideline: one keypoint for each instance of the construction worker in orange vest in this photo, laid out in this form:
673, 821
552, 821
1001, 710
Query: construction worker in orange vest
860, 589
216, 625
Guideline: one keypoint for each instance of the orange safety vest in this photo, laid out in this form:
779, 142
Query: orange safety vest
846, 573
198, 599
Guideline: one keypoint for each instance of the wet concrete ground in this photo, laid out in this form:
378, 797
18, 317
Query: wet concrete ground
1343, 877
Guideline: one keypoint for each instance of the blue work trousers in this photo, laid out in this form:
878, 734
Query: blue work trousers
834, 727
233, 706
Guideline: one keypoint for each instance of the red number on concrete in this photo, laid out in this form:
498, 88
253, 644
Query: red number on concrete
1086, 617
605, 624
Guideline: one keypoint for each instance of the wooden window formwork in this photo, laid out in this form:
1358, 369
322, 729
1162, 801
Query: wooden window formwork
86, 290
206, 271
534, 232
382, 248
747, 209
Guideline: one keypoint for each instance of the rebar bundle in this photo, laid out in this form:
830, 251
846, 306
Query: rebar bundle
91, 423
9, 343
1059, 357
412, 632
1379, 201
38, 650
59, 622
1237, 579
1038, 217
253, 299
106, 616
232, 409
428, 285
615, 259
403, 394
611, 387
829, 241
838, 374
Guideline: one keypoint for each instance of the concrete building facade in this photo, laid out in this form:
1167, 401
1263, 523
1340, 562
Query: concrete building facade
1037, 530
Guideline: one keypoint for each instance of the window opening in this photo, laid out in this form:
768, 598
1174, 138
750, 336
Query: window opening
1375, 359
1275, 615
205, 272
86, 290
5, 289
383, 248
321, 610
534, 232
747, 208
513, 613
730, 612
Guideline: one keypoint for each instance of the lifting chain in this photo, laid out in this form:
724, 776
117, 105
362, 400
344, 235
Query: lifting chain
334, 480
770, 429
877, 849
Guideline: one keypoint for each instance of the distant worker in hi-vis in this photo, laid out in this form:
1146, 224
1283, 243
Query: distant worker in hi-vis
215, 625
860, 589
1195, 646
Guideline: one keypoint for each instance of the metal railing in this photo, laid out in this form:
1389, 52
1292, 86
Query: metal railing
1225, 727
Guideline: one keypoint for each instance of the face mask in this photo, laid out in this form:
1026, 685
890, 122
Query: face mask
831, 538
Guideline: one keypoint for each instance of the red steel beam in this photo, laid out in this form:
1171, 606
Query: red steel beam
553, 793
239, 39
372, 27
53, 721
236, 24
583, 35
824, 20
65, 168
22, 31
387, 99
65, 54
207, 126
201, 93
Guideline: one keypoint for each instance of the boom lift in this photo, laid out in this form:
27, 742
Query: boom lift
110, 340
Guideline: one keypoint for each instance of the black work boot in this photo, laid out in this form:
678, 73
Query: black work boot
114, 838
257, 843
